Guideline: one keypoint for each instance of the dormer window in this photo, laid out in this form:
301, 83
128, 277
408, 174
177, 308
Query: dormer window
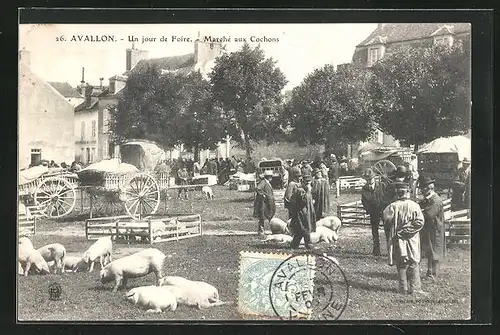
374, 55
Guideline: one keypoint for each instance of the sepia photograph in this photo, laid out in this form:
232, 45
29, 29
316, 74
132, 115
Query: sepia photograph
258, 171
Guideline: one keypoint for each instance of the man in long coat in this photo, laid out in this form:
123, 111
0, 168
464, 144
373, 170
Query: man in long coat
371, 199
432, 235
293, 184
321, 194
459, 186
404, 220
303, 221
264, 206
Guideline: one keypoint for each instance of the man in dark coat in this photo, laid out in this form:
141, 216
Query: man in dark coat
374, 204
432, 235
264, 206
303, 221
459, 186
293, 184
321, 194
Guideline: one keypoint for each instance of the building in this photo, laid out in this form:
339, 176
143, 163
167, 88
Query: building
69, 93
45, 117
389, 35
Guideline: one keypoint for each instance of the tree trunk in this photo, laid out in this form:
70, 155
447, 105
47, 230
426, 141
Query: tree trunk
248, 147
196, 152
415, 148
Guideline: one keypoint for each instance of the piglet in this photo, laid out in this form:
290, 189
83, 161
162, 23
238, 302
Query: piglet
155, 298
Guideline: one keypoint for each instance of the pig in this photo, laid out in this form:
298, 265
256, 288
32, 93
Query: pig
136, 265
155, 298
326, 234
75, 264
210, 290
35, 259
101, 249
331, 222
278, 226
54, 252
194, 296
20, 270
282, 238
25, 248
207, 192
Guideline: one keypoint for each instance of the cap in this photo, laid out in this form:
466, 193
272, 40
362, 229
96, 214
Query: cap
369, 174
424, 181
296, 171
466, 161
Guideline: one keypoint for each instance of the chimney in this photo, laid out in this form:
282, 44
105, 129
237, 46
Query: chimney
25, 57
133, 56
83, 85
205, 51
100, 80
88, 94
116, 83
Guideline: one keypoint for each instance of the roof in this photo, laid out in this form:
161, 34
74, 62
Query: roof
84, 105
65, 89
185, 63
459, 144
397, 32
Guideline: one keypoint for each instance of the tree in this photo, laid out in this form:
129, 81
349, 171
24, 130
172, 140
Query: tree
331, 107
169, 109
423, 93
247, 87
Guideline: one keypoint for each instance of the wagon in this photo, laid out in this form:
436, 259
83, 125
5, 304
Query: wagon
133, 186
280, 174
383, 160
53, 189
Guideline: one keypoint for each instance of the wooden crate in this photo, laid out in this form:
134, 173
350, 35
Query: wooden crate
27, 223
457, 228
173, 227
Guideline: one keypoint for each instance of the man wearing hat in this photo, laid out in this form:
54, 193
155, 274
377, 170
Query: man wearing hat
459, 186
432, 235
303, 217
264, 205
403, 220
372, 203
320, 194
293, 185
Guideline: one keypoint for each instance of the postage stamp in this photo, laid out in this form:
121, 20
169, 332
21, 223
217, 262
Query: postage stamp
283, 286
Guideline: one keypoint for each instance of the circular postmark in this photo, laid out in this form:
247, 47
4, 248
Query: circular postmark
309, 286
55, 291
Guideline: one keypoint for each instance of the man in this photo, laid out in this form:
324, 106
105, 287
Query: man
196, 169
459, 186
264, 205
182, 177
324, 171
293, 185
412, 176
320, 194
432, 235
404, 220
333, 171
371, 201
303, 216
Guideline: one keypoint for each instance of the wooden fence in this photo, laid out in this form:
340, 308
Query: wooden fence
27, 223
151, 229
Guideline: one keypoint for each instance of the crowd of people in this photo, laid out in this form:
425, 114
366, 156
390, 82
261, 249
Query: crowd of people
407, 204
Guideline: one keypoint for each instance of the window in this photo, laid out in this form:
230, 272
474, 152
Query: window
92, 157
94, 122
36, 157
373, 56
83, 131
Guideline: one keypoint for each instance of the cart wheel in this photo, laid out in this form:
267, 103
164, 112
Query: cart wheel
57, 195
141, 195
383, 168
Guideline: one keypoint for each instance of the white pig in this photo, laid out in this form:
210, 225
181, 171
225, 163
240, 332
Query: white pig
282, 238
75, 264
24, 249
210, 290
278, 226
194, 296
207, 192
101, 249
54, 252
136, 265
19, 269
331, 222
326, 234
35, 259
154, 298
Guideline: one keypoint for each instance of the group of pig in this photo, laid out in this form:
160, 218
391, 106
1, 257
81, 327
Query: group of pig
327, 230
168, 292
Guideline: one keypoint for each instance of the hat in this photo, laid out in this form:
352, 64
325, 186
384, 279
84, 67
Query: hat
400, 172
369, 174
268, 173
316, 170
399, 185
424, 181
466, 161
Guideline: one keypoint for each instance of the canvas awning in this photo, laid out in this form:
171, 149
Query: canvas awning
459, 144
144, 155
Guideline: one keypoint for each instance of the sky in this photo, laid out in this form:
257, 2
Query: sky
301, 47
